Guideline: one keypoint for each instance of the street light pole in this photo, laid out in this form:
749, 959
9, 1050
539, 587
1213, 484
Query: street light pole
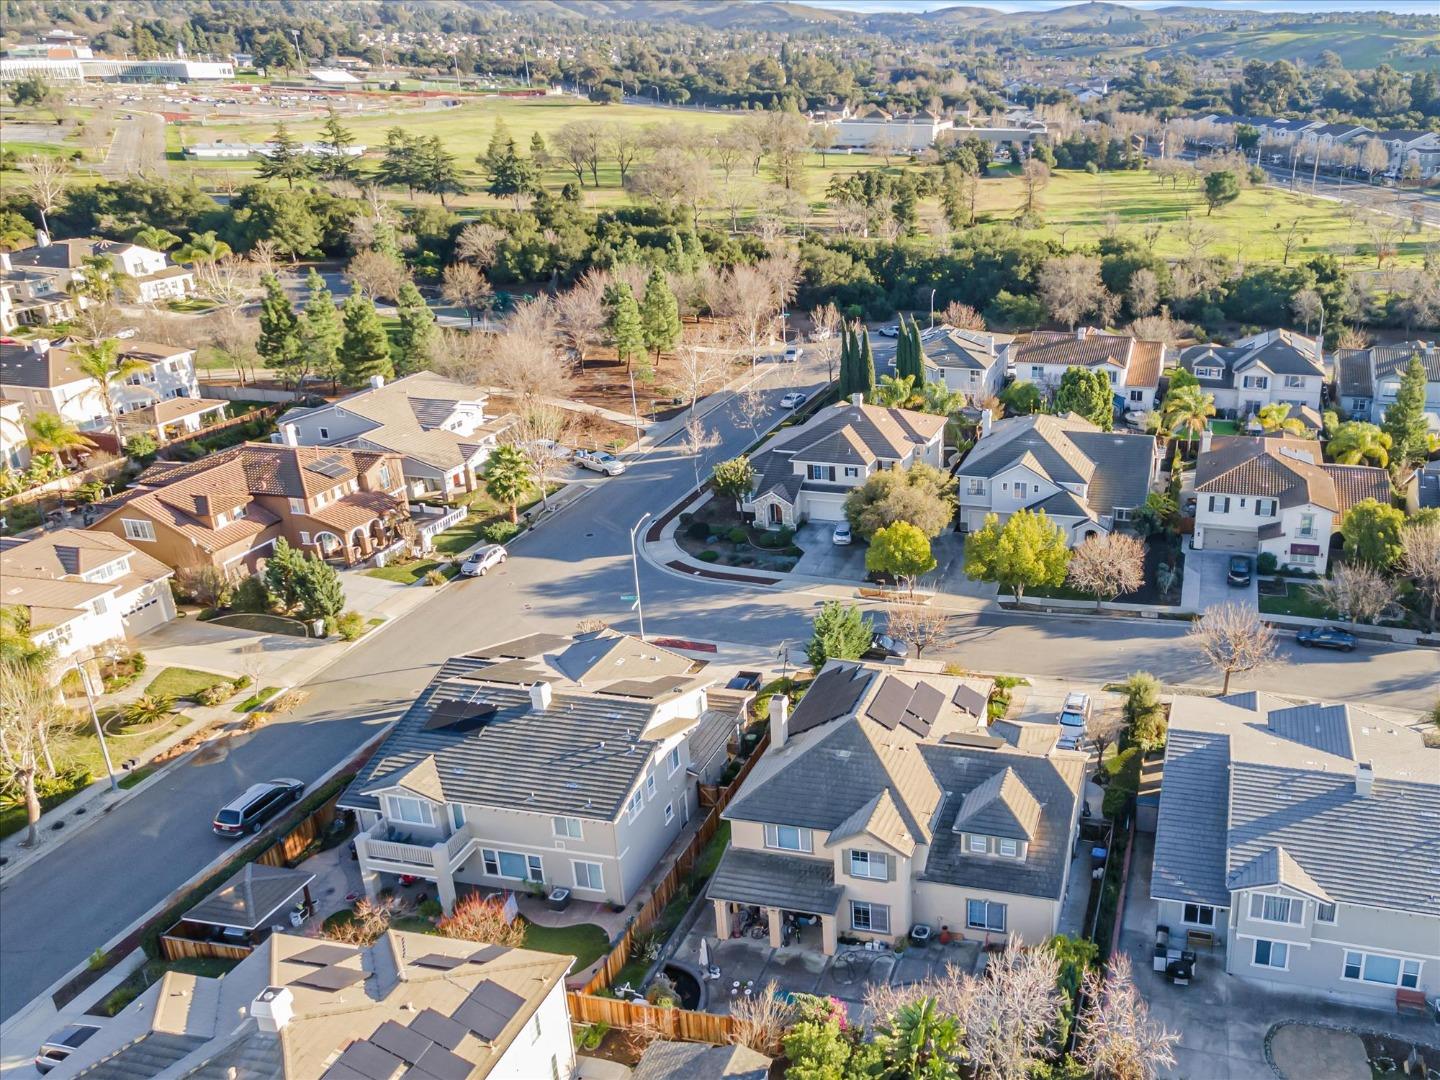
932, 309
95, 718
635, 567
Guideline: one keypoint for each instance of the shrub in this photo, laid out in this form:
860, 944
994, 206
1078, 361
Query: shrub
251, 595
214, 695
148, 709
737, 535
699, 530
429, 909
23, 517
138, 662
240, 682
497, 532
141, 445
434, 577
1266, 563
350, 625
1144, 714
708, 556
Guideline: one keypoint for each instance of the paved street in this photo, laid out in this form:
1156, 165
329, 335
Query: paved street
54, 913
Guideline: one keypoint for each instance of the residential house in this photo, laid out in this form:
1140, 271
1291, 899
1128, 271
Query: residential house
33, 297
228, 509
1412, 151
1301, 839
8, 318
438, 426
1326, 137
1132, 366
873, 127
301, 1008
44, 376
82, 590
152, 276
1422, 490
1260, 370
805, 472
881, 804
1089, 481
1276, 494
969, 362
14, 439
547, 761
1367, 380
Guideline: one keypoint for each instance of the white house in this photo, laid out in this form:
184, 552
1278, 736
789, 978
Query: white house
872, 127
1274, 366
1412, 150
1088, 480
438, 426
152, 275
1132, 366
970, 362
1276, 495
805, 472
1367, 380
82, 590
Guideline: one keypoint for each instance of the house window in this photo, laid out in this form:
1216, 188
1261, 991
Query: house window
1264, 507
821, 472
1325, 913
787, 838
1257, 382
650, 786
637, 803
410, 811
1207, 373
568, 827
980, 845
1219, 504
1385, 970
297, 506
674, 760
851, 471
985, 915
457, 816
510, 864
1009, 848
1036, 372
1121, 513
1307, 525
138, 530
1277, 909
870, 918
304, 537
975, 486
1293, 381
1137, 395
1021, 490
324, 433
536, 1034
589, 875
669, 813
384, 475
869, 864
100, 606
1198, 915
1271, 954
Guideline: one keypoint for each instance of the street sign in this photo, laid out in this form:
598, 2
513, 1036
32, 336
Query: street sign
628, 596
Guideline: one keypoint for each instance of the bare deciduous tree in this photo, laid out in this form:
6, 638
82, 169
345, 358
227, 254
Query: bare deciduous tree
1070, 287
922, 626
1012, 1012
45, 181
1233, 638
30, 711
464, 356
369, 923
580, 313
464, 285
525, 360
1420, 562
697, 440
1355, 591
377, 274
1117, 1039
477, 244
1106, 566
541, 431
751, 407
761, 1019
962, 317
1034, 175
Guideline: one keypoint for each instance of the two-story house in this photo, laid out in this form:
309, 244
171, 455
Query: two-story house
805, 472
438, 426
227, 510
1413, 151
1368, 380
81, 589
1276, 366
1132, 366
1088, 480
1276, 495
149, 273
882, 803
33, 297
969, 362
1302, 840
547, 761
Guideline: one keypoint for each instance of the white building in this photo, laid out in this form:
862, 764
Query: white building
1368, 380
1132, 366
872, 128
969, 362
1263, 369
74, 69
152, 275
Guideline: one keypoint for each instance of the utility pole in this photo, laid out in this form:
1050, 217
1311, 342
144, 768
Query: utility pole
635, 567
95, 719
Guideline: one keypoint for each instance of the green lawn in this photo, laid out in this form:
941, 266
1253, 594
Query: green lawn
178, 682
410, 573
1224, 427
584, 941
254, 700
1296, 601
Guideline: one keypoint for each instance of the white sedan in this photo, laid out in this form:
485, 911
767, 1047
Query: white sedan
480, 561
792, 400
600, 461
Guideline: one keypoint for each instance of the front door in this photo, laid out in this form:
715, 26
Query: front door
777, 516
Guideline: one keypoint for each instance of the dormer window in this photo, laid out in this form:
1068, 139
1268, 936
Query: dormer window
1277, 909
410, 811
1208, 373
1009, 848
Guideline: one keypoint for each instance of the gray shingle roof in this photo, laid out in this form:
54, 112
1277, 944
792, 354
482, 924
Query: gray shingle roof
1275, 866
755, 877
1320, 727
963, 349
667, 1060
579, 757
1001, 806
144, 1058
248, 901
1190, 834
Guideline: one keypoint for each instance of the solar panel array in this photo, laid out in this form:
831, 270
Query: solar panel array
897, 704
324, 955
459, 716
331, 978
832, 695
394, 1050
331, 466
488, 1009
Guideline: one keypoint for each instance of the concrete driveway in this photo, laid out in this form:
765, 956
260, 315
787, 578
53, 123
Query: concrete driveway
949, 576
1205, 585
825, 559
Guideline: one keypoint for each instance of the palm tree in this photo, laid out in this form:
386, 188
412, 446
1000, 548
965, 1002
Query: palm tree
1187, 409
16, 644
1276, 417
1355, 441
507, 477
103, 363
152, 236
50, 433
203, 247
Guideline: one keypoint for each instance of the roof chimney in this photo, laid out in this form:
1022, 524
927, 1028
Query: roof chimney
779, 721
377, 381
1080, 333
1364, 779
1205, 437
40, 346
541, 694
857, 399
42, 238
985, 422
273, 1008
290, 434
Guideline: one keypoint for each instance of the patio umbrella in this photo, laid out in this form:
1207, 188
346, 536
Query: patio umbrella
704, 954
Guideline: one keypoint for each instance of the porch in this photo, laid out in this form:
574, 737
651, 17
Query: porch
382, 849
782, 900
174, 418
356, 527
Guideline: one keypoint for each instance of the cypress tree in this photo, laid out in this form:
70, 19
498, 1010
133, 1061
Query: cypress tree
917, 356
279, 340
847, 363
365, 347
865, 369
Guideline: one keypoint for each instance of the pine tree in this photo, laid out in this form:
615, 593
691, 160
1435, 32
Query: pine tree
279, 341
1405, 419
436, 170
510, 174
320, 331
539, 152
660, 314
416, 337
499, 140
847, 362
865, 369
336, 138
284, 160
917, 355
622, 322
364, 349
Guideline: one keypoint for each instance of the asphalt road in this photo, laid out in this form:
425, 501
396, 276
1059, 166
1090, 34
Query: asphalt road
54, 914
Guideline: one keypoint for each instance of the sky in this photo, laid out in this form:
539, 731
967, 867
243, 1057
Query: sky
1408, 7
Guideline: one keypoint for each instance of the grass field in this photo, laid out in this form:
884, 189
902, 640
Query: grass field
1358, 46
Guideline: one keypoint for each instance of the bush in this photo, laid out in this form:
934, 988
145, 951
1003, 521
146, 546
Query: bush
434, 577
738, 535
350, 625
141, 445
1266, 563
138, 662
708, 556
23, 517
1144, 714
214, 695
148, 709
1124, 770
497, 532
699, 530
251, 595
240, 682
429, 909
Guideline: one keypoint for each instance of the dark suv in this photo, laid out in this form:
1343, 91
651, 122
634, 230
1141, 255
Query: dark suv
1239, 571
259, 803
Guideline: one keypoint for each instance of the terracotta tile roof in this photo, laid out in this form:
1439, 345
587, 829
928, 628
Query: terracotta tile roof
1356, 483
355, 510
1146, 360
1086, 347
1288, 469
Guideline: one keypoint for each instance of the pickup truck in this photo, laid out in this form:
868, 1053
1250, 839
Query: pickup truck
599, 461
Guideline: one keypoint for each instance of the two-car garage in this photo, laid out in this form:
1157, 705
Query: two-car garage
1211, 538
824, 506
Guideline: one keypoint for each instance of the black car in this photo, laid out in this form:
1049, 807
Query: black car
885, 647
1238, 573
60, 1046
1326, 637
248, 812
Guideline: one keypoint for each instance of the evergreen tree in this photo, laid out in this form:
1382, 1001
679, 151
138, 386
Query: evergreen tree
279, 341
510, 174
318, 590
918, 356
865, 368
415, 339
847, 361
660, 314
284, 160
320, 331
499, 140
436, 172
364, 348
622, 322
841, 632
336, 138
1405, 419
902, 353
1087, 393
400, 166
539, 152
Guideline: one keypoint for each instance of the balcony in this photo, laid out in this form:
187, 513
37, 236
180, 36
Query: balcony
382, 847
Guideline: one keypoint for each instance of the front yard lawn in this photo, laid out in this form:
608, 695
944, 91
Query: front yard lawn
584, 941
253, 701
411, 572
179, 682
1296, 601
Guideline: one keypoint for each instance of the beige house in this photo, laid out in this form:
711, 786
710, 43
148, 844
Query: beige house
884, 802
14, 439
1132, 366
545, 762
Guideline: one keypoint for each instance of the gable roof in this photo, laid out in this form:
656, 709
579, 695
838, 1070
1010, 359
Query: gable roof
1001, 806
1281, 352
881, 819
947, 347
1290, 470
1088, 347
250, 898
420, 777
1275, 866
1358, 370
664, 1059
43, 575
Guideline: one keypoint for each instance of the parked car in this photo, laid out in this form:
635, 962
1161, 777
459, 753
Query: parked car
1074, 720
792, 400
793, 353
482, 559
893, 330
842, 535
1238, 573
1326, 637
885, 647
259, 803
61, 1045
600, 461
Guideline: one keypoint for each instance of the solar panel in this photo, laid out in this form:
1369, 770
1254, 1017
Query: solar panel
399, 1040
459, 716
367, 1059
438, 1028
494, 996
443, 1065
323, 955
923, 709
970, 699
488, 1009
970, 738
329, 466
342, 1072
439, 960
887, 708
487, 953
330, 978
830, 697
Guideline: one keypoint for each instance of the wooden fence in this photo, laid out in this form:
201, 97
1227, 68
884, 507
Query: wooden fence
288, 848
668, 1023
179, 948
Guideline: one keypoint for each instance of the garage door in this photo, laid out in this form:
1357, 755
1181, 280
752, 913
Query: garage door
825, 507
1230, 539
